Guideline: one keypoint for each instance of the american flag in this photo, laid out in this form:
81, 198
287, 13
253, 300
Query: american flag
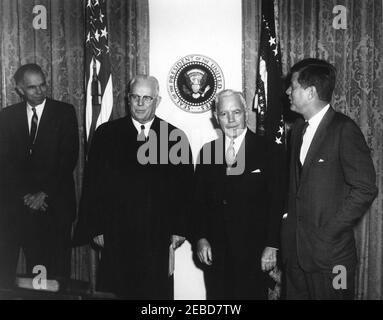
268, 103
99, 93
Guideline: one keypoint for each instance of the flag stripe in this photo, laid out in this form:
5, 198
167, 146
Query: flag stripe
99, 95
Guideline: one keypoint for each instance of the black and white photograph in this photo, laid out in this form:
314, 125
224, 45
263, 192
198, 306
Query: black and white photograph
191, 155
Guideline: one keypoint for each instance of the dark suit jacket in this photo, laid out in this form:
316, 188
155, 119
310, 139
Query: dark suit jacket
137, 207
336, 187
242, 212
49, 169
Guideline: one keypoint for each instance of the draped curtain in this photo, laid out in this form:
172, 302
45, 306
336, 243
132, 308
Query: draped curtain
306, 30
60, 51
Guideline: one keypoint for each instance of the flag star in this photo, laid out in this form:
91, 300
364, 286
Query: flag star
107, 49
281, 130
262, 113
275, 51
104, 33
96, 3
101, 17
278, 140
89, 4
88, 37
272, 41
97, 35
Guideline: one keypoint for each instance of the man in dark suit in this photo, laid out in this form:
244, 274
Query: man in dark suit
238, 206
38, 153
135, 196
332, 184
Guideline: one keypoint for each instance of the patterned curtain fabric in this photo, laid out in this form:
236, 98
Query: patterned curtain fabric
60, 51
129, 36
306, 30
251, 14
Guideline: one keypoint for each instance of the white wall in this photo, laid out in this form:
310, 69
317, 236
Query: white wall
178, 28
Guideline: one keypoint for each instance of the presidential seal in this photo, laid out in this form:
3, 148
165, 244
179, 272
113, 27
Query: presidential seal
193, 83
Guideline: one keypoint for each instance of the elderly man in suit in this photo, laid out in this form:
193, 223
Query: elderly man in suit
332, 184
238, 206
135, 196
38, 153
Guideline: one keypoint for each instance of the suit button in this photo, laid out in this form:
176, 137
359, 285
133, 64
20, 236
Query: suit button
224, 202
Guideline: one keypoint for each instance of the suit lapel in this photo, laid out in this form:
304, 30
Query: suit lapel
45, 122
317, 141
248, 149
21, 125
295, 148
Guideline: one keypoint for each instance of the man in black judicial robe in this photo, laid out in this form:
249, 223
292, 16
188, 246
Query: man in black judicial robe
238, 205
134, 209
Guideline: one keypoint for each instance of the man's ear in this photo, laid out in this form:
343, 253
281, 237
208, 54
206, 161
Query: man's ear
215, 115
158, 100
312, 92
19, 90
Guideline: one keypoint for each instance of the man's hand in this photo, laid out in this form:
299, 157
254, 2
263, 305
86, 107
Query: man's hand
36, 201
99, 240
269, 259
177, 241
204, 252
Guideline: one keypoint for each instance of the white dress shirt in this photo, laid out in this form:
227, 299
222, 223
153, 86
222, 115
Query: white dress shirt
146, 125
310, 132
237, 141
39, 112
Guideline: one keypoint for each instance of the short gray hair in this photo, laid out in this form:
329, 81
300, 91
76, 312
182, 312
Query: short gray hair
227, 93
142, 77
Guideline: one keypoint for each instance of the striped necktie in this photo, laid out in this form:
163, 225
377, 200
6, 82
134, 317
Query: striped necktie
34, 122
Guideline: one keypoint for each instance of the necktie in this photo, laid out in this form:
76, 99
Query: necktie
141, 136
301, 142
34, 122
298, 161
230, 154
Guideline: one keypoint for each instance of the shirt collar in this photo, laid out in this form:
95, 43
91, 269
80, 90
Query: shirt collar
316, 119
237, 141
138, 125
38, 107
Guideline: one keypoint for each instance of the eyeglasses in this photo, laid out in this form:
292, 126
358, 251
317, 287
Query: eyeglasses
137, 98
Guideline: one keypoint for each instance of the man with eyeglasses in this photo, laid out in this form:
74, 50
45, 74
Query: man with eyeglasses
136, 210
38, 153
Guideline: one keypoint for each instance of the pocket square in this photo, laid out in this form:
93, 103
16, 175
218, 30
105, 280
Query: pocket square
320, 160
256, 171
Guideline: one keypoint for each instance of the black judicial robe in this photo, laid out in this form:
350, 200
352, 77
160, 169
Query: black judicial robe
136, 207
